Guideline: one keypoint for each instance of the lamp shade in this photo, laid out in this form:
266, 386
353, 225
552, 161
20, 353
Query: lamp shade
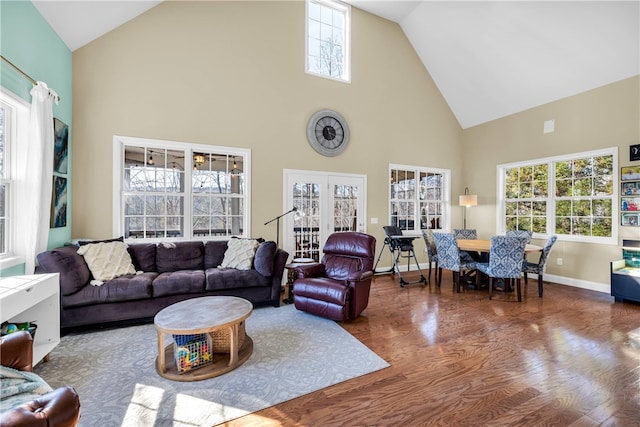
469, 200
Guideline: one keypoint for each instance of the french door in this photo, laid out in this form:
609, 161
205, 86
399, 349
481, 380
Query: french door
325, 203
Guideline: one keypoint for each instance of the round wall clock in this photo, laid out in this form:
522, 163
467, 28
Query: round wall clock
328, 133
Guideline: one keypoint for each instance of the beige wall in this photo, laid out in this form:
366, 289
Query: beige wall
605, 117
232, 73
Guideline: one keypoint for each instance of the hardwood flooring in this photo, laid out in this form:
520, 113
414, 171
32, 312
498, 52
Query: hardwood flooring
571, 358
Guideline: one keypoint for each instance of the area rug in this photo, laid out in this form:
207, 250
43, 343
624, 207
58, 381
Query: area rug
294, 354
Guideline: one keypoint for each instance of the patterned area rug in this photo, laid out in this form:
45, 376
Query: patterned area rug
294, 354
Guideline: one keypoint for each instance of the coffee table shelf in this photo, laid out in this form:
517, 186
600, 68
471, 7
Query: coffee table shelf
204, 315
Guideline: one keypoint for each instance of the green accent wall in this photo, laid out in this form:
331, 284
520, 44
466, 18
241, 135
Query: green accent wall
29, 42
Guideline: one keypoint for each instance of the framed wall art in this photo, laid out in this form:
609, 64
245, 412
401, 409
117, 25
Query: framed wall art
60, 146
59, 202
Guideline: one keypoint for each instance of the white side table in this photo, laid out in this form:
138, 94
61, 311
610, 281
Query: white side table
34, 298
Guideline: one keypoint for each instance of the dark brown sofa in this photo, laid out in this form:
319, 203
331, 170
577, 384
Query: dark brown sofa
58, 408
170, 273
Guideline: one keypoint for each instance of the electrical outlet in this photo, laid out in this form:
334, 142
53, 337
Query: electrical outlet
559, 261
374, 220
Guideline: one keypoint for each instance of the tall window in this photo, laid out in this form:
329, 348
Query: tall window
418, 197
328, 39
180, 190
571, 196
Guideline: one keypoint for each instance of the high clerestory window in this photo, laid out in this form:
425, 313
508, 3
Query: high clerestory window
572, 196
178, 190
328, 39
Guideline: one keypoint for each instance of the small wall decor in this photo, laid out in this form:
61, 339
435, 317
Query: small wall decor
634, 152
60, 146
59, 202
630, 196
630, 173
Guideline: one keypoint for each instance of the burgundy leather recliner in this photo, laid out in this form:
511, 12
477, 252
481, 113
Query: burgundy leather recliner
338, 287
59, 408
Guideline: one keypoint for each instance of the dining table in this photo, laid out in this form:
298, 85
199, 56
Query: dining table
481, 245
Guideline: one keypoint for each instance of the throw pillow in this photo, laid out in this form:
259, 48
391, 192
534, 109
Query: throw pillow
107, 260
239, 254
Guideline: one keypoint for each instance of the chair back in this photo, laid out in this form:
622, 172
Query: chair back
396, 242
545, 251
347, 252
430, 244
448, 252
465, 233
506, 256
519, 233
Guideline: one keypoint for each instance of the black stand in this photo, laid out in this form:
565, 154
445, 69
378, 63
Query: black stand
400, 246
277, 219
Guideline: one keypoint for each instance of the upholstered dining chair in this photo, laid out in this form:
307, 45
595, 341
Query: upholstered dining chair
430, 250
538, 268
519, 233
506, 255
467, 234
449, 258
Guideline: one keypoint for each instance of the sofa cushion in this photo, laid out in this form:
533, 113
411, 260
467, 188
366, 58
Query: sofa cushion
240, 254
143, 256
214, 253
263, 260
180, 256
107, 260
217, 278
74, 272
179, 282
123, 288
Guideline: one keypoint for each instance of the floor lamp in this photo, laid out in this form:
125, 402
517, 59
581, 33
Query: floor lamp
467, 200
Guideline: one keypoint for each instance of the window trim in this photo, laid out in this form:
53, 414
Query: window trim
551, 201
446, 196
119, 142
346, 9
15, 254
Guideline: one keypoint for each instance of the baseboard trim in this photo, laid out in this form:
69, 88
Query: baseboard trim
561, 280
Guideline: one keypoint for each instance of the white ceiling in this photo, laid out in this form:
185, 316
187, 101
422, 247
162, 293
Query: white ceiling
489, 59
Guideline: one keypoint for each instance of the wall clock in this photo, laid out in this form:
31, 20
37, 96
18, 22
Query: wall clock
328, 133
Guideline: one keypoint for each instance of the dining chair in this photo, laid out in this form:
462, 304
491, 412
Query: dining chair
538, 268
449, 258
467, 234
519, 233
506, 255
432, 253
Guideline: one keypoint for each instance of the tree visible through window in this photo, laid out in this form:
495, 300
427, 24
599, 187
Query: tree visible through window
569, 195
417, 197
158, 201
328, 39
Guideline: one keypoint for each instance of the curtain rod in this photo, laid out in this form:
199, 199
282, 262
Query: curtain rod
22, 73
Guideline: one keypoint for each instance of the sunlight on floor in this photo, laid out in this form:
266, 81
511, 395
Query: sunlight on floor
193, 408
143, 408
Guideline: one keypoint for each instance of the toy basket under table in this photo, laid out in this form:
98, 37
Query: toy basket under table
222, 341
192, 351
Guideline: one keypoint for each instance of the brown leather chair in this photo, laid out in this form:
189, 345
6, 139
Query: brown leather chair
59, 408
338, 287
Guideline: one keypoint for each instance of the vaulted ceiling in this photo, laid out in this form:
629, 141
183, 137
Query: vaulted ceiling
489, 59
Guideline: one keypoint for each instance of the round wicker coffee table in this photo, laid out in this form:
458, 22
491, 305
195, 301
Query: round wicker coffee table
209, 337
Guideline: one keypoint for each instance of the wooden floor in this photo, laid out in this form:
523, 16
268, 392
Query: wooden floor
571, 358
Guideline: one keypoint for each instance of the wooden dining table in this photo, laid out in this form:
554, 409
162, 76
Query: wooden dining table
480, 245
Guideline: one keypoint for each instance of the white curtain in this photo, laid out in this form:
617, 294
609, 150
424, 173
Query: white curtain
39, 175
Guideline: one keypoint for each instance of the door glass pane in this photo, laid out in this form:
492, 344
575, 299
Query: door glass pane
345, 208
306, 228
